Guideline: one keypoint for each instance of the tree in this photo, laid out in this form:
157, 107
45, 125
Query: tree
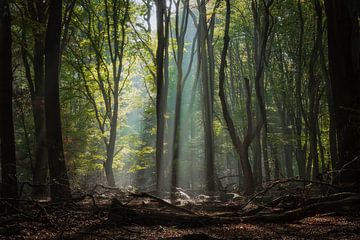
101, 67
181, 25
7, 139
162, 21
36, 83
344, 66
60, 188
207, 75
241, 147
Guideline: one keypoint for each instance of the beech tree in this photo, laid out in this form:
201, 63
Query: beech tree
344, 63
59, 188
7, 139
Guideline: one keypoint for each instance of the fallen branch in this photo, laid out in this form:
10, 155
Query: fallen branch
147, 195
338, 206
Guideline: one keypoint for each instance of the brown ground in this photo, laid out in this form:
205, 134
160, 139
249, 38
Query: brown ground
86, 220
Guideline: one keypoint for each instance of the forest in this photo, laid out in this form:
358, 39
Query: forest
180, 119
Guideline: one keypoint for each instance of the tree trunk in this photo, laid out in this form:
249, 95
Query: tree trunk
60, 188
300, 154
288, 160
36, 89
314, 93
38, 105
276, 162
160, 96
240, 147
344, 63
206, 77
249, 186
257, 161
7, 139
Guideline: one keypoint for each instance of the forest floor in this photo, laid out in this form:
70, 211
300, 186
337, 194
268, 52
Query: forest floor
143, 216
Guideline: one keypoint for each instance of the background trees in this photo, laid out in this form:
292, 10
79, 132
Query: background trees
134, 100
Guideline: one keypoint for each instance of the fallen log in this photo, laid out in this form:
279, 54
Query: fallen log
337, 206
127, 215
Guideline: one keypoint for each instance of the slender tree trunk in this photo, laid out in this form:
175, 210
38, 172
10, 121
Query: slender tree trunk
38, 105
240, 147
257, 161
111, 146
276, 163
300, 156
314, 93
321, 148
206, 75
160, 96
288, 160
262, 29
60, 188
7, 139
36, 89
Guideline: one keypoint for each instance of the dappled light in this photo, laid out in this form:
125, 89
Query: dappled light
179, 119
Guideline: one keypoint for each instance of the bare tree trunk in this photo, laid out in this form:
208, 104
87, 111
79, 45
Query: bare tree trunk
262, 30
37, 92
344, 63
257, 161
160, 88
36, 89
240, 146
206, 75
314, 93
7, 138
60, 188
300, 156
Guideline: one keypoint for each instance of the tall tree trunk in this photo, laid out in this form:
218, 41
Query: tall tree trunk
262, 29
180, 32
7, 139
36, 89
314, 93
38, 105
300, 154
344, 65
160, 96
60, 188
240, 146
206, 78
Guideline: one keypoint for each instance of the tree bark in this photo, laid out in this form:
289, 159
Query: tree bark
59, 188
300, 156
206, 78
7, 138
344, 66
160, 89
36, 88
240, 146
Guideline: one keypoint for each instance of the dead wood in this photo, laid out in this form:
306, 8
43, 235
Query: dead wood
332, 197
338, 206
127, 215
147, 195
